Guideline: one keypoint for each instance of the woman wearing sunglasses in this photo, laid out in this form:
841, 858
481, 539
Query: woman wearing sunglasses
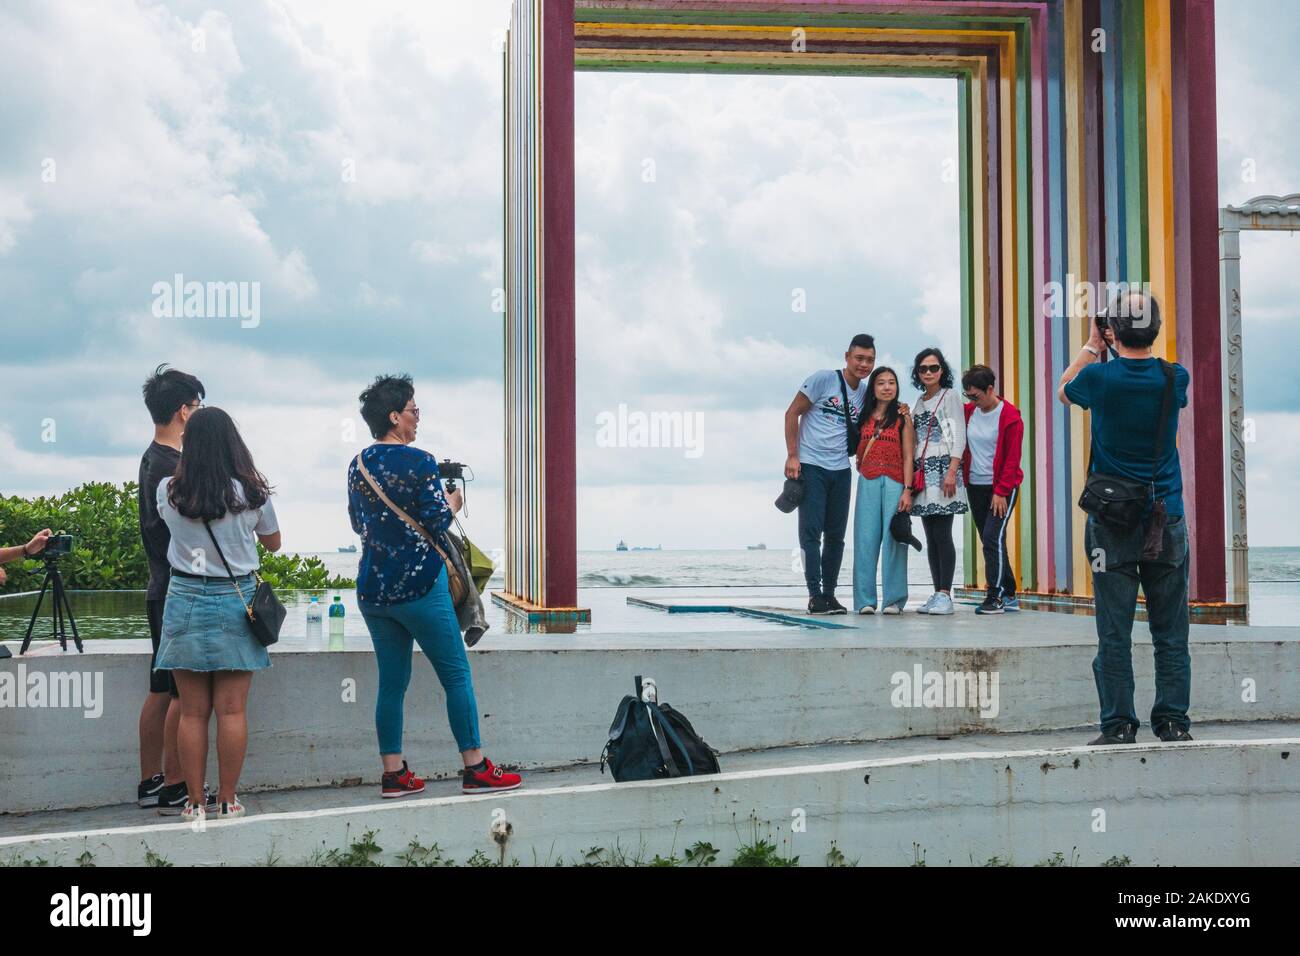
938, 494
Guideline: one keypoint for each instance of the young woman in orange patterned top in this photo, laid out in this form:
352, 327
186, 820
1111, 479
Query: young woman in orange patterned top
885, 453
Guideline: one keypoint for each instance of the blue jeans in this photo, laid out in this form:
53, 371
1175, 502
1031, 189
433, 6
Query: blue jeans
872, 542
429, 621
824, 511
1164, 582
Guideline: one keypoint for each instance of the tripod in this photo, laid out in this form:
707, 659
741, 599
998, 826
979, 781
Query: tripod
61, 606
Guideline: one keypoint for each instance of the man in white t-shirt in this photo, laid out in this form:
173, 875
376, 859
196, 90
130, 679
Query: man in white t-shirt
817, 431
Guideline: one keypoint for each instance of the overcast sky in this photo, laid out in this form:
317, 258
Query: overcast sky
346, 156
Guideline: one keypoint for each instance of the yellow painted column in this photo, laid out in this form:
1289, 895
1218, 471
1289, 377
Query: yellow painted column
1160, 170
1078, 269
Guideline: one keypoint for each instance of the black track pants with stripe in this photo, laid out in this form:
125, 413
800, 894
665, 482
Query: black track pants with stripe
993, 536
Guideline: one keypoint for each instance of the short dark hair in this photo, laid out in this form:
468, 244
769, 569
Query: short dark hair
166, 390
945, 374
978, 377
862, 341
385, 395
1134, 331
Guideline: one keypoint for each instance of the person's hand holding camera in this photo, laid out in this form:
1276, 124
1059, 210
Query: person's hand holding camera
29, 550
455, 500
35, 546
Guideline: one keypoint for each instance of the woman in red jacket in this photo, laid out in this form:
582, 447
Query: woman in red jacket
991, 468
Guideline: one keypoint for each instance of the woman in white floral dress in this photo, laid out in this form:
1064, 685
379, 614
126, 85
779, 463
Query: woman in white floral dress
940, 427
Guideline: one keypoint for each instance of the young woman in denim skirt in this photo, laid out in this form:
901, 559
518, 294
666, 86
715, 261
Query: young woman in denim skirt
402, 587
206, 641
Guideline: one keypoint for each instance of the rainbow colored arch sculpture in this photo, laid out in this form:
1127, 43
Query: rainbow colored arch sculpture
1088, 155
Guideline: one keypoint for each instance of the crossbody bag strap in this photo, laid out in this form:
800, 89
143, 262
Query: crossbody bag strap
1166, 403
419, 528
247, 607
848, 417
929, 426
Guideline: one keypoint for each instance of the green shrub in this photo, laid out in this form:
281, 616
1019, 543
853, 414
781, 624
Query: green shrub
107, 552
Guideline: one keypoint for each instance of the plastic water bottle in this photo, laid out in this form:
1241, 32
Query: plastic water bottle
314, 616
336, 617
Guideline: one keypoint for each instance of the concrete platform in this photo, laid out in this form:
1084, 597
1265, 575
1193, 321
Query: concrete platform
546, 700
961, 801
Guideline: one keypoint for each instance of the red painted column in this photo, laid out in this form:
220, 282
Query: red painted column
1200, 341
559, 421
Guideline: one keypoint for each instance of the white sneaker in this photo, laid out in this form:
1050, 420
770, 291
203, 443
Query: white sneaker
866, 609
943, 604
193, 813
892, 609
928, 605
231, 810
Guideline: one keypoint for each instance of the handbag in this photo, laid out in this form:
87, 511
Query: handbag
265, 613
478, 563
1123, 501
851, 428
455, 582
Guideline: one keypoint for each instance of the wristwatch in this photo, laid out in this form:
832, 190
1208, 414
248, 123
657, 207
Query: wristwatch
1091, 349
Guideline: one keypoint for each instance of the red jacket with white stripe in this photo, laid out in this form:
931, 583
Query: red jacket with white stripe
1007, 475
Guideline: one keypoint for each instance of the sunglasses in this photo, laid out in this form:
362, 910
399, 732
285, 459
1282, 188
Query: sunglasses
931, 369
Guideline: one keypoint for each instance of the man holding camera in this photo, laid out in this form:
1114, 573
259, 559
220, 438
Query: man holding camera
1136, 532
29, 550
818, 423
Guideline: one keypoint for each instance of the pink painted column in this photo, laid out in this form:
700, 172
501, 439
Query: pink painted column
1200, 342
558, 340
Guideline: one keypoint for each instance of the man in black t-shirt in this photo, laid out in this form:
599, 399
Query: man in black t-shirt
171, 397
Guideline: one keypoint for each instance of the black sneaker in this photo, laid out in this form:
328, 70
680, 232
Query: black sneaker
1124, 734
1171, 733
992, 605
146, 794
817, 605
172, 800
835, 607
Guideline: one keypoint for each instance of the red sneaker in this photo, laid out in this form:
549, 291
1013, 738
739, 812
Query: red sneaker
489, 778
401, 783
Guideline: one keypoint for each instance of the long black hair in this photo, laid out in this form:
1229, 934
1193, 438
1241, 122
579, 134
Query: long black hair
945, 374
212, 459
869, 406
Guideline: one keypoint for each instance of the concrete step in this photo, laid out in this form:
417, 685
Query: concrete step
957, 801
547, 700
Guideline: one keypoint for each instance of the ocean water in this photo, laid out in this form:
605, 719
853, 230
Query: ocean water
776, 567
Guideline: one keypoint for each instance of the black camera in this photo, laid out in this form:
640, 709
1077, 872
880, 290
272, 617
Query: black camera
451, 470
57, 545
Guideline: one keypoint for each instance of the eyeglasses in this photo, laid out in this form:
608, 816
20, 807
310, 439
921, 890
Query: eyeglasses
972, 397
929, 368
414, 410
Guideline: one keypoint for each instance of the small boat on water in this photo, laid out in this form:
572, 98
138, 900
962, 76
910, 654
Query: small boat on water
756, 547
350, 549
622, 545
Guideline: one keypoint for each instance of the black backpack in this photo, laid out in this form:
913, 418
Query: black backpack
648, 741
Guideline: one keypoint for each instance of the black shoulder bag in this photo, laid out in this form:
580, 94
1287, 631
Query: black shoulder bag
852, 431
266, 613
1122, 501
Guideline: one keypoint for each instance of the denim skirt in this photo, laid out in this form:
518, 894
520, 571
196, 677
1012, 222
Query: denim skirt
205, 627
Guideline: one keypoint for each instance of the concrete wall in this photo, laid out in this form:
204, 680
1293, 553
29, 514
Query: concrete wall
552, 708
1241, 799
